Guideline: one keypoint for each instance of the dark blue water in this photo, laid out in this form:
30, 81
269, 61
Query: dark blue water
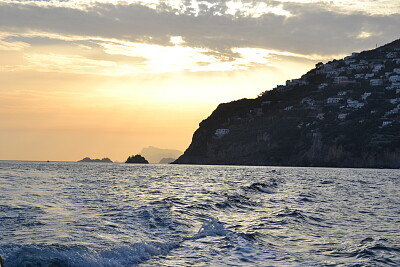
94, 214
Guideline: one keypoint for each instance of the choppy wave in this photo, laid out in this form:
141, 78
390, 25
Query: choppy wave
63, 256
134, 254
211, 227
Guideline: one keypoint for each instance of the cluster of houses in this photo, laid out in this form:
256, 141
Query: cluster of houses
347, 84
375, 75
350, 70
221, 132
355, 71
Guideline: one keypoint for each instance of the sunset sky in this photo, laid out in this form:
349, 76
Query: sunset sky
106, 78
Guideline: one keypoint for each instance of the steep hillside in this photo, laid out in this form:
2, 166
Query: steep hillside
344, 113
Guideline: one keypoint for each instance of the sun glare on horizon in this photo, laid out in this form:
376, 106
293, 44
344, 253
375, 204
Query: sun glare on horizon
107, 78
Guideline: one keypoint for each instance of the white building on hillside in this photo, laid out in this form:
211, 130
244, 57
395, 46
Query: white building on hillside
365, 95
340, 79
376, 82
354, 104
333, 100
378, 68
386, 123
395, 85
221, 132
394, 78
323, 85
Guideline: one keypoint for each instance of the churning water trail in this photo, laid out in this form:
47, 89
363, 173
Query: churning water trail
97, 214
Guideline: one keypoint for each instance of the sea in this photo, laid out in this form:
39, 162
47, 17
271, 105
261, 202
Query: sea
100, 214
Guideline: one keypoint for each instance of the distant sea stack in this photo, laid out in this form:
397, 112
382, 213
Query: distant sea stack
344, 113
136, 159
103, 160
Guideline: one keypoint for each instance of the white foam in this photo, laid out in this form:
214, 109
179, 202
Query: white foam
211, 227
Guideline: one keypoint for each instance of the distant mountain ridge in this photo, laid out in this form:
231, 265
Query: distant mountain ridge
344, 113
155, 154
166, 160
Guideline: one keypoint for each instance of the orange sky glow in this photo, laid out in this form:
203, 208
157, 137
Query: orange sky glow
91, 79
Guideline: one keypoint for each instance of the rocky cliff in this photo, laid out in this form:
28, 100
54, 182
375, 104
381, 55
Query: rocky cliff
344, 113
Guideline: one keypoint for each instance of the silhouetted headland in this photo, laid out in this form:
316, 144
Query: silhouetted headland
344, 113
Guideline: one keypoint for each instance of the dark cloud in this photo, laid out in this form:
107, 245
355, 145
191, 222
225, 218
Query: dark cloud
313, 29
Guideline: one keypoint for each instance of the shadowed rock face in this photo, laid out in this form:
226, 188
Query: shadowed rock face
344, 113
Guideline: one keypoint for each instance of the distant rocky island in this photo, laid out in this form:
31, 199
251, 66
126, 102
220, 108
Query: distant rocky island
344, 113
103, 160
136, 159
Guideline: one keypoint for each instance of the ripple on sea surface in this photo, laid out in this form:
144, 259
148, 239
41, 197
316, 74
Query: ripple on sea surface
71, 214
